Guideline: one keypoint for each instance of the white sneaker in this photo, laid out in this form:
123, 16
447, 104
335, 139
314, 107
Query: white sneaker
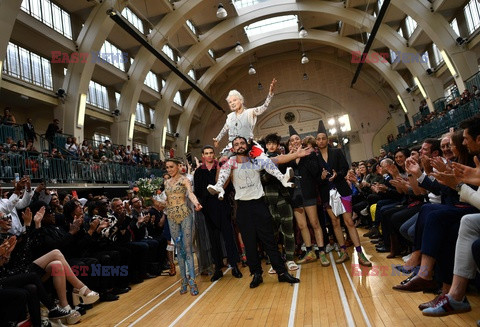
329, 248
288, 176
292, 266
73, 318
214, 189
303, 247
271, 270
407, 257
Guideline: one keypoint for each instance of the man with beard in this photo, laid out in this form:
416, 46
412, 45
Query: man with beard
253, 216
217, 215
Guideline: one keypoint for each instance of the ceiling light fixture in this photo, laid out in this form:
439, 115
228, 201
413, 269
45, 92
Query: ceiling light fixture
302, 32
305, 76
221, 12
304, 58
238, 48
251, 70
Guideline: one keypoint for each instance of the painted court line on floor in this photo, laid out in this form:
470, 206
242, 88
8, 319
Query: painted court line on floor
362, 309
143, 306
343, 296
293, 306
195, 302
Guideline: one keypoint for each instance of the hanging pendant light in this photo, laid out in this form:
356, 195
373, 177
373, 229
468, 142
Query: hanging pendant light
303, 32
304, 59
238, 48
221, 12
251, 70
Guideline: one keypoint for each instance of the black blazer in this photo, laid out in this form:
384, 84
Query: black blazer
308, 174
336, 161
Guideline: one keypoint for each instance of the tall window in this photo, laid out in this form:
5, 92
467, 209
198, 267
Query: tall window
140, 114
117, 98
28, 66
163, 83
411, 25
169, 52
97, 96
191, 27
426, 59
400, 31
142, 147
438, 59
454, 25
191, 73
133, 19
50, 14
99, 138
472, 14
113, 55
393, 56
271, 24
451, 92
151, 81
178, 99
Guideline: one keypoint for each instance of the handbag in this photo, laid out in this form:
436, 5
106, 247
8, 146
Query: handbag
336, 202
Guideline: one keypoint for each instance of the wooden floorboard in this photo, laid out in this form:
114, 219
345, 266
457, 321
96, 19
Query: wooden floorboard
230, 302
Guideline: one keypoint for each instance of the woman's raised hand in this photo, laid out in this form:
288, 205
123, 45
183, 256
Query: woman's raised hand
272, 86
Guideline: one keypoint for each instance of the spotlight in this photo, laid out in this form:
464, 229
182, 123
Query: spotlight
408, 89
305, 76
221, 12
429, 71
304, 59
176, 134
116, 112
460, 40
251, 70
152, 126
302, 32
61, 93
259, 86
238, 48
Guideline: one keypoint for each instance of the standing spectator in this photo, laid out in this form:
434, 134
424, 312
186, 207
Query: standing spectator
29, 130
8, 118
52, 129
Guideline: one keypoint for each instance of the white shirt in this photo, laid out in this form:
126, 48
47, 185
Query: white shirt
10, 206
246, 178
243, 124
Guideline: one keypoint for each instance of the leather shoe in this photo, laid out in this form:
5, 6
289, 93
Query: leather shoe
236, 272
257, 280
216, 275
431, 303
409, 278
382, 250
416, 284
405, 269
120, 290
287, 278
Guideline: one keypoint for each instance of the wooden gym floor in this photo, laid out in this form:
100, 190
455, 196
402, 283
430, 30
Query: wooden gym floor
331, 296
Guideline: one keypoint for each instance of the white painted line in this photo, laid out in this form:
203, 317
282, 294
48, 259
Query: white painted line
362, 309
154, 307
343, 296
195, 302
293, 306
143, 306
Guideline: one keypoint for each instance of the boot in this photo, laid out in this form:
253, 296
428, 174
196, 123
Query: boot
272, 169
223, 175
394, 246
172, 271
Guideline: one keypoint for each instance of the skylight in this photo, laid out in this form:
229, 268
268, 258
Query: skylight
271, 24
246, 3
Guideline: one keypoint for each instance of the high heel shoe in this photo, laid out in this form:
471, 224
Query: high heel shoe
193, 287
183, 288
81, 296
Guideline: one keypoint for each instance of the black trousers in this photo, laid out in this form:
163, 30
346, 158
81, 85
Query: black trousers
12, 306
256, 224
217, 219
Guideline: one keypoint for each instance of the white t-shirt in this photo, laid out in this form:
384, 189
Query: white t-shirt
246, 178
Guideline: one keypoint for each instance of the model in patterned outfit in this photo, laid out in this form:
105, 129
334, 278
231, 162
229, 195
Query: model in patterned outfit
180, 220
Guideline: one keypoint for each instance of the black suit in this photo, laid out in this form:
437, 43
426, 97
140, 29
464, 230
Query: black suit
29, 131
336, 161
217, 217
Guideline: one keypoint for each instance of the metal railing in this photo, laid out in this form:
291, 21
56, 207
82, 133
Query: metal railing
13, 131
69, 170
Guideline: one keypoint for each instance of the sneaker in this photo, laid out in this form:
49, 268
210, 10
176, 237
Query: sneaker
308, 257
329, 248
364, 212
271, 271
59, 312
407, 257
288, 176
323, 260
373, 232
362, 259
342, 257
446, 305
291, 265
73, 318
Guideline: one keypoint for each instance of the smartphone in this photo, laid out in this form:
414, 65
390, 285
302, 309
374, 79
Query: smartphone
17, 177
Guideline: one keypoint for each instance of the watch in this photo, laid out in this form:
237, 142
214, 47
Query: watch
458, 187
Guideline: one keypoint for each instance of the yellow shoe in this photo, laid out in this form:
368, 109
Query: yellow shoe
342, 257
308, 257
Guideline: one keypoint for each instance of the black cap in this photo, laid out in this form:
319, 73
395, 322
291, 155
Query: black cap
321, 128
292, 130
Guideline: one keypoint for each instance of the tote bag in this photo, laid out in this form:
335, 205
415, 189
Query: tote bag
336, 202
